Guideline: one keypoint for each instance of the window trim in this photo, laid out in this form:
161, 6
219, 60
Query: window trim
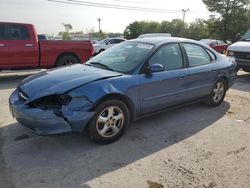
145, 66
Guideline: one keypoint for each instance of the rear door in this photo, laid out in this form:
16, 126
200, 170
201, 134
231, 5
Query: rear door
202, 70
23, 46
4, 54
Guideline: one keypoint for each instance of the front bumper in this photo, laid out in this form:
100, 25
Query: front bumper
49, 121
243, 63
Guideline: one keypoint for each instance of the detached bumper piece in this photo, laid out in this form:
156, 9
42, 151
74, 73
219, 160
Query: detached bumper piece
50, 121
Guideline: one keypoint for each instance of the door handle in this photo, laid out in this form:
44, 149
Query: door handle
28, 45
182, 76
214, 70
2, 45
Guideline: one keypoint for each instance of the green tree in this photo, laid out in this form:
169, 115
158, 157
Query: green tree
232, 12
197, 30
66, 35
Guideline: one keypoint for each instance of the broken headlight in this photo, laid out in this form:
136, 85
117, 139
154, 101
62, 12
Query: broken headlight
51, 101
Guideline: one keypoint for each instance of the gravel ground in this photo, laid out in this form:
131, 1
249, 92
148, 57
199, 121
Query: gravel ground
193, 146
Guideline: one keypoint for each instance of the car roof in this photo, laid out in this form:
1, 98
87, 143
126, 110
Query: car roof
160, 40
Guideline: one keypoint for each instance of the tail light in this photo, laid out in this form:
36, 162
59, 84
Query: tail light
91, 50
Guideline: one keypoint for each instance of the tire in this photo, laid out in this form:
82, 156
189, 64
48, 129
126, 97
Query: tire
109, 122
101, 51
217, 94
66, 60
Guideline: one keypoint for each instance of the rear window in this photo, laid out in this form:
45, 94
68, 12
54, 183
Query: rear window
18, 32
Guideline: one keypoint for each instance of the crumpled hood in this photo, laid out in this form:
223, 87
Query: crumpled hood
241, 46
61, 80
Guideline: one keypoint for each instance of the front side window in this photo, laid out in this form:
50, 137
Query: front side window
196, 55
169, 56
18, 32
123, 57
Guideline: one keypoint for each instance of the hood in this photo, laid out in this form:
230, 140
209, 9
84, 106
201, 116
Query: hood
61, 80
241, 46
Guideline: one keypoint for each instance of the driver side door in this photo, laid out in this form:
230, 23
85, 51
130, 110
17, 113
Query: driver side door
167, 88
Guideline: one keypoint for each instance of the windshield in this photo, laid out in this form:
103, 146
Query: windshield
246, 36
123, 57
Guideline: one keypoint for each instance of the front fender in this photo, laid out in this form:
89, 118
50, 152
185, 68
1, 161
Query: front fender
97, 90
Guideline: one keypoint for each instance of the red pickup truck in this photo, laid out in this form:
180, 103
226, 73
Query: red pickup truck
21, 49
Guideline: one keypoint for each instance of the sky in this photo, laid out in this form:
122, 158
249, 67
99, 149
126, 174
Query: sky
48, 16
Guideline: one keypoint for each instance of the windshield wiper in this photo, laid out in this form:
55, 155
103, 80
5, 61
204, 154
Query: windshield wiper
102, 65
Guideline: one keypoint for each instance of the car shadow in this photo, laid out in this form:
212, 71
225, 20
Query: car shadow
243, 82
73, 160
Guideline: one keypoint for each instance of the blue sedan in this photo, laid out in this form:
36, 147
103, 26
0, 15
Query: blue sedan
129, 81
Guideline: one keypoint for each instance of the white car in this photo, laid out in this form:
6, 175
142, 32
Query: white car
106, 43
241, 52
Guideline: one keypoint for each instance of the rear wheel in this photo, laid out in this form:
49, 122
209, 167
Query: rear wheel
66, 60
217, 94
109, 122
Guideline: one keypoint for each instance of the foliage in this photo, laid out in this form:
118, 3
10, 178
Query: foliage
233, 17
195, 30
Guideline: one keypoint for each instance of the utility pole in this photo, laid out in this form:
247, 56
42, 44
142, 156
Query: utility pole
99, 21
249, 14
184, 11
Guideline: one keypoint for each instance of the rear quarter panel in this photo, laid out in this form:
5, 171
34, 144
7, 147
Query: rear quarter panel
50, 50
227, 68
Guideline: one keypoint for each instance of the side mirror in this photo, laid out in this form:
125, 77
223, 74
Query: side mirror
156, 68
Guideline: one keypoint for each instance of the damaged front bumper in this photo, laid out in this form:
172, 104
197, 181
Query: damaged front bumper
69, 118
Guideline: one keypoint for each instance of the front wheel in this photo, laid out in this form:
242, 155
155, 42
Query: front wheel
217, 94
109, 122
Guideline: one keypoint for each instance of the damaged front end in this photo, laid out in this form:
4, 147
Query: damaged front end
52, 114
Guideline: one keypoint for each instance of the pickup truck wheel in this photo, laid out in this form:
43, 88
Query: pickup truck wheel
217, 94
66, 60
109, 122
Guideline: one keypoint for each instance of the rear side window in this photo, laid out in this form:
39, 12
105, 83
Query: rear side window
197, 56
18, 32
2, 32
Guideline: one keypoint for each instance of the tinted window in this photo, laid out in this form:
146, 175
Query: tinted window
18, 32
118, 40
2, 32
196, 55
169, 56
112, 41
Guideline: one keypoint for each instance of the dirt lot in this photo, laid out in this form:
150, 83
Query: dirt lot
194, 146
